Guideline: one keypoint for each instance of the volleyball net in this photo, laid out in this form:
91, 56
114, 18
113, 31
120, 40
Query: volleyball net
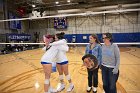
27, 32
16, 47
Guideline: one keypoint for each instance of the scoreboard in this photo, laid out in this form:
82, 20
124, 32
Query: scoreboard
60, 23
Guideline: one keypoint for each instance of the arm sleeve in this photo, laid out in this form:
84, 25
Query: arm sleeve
117, 56
99, 55
60, 42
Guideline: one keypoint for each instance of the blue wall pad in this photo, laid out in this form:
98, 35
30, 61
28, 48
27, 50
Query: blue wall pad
117, 37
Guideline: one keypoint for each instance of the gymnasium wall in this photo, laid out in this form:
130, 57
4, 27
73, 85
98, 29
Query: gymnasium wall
40, 26
125, 27
3, 25
117, 37
1, 15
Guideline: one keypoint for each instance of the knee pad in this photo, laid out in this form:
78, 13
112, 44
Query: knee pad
47, 81
68, 77
61, 77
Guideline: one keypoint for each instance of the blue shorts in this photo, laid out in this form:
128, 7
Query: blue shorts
63, 63
46, 63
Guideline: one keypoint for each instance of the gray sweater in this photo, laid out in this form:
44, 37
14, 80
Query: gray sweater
111, 56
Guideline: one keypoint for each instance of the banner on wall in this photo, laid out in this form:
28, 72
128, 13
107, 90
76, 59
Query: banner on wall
14, 24
19, 37
1, 5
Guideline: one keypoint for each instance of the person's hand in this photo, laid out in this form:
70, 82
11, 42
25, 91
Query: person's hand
47, 43
115, 71
96, 66
100, 66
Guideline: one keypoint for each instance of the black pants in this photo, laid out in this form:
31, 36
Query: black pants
93, 78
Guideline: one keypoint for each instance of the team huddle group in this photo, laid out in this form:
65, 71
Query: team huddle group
106, 57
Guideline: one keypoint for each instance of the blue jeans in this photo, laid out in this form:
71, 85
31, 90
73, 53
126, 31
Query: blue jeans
109, 80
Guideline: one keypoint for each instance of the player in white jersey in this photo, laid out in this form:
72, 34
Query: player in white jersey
49, 57
62, 64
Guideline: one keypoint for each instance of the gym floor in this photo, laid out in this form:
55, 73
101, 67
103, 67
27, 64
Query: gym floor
21, 72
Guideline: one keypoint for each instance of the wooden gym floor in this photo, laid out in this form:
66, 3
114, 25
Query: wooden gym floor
21, 72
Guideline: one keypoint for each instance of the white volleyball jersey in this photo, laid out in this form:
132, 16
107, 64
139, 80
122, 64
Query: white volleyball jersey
50, 55
56, 53
62, 49
61, 55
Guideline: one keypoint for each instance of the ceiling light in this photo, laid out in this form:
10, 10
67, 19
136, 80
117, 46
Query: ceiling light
33, 5
103, 0
68, 1
69, 11
56, 2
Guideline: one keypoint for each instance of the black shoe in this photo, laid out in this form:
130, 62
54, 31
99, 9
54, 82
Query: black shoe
94, 91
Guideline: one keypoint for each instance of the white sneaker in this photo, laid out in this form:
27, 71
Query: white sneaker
94, 89
52, 90
60, 87
89, 89
70, 88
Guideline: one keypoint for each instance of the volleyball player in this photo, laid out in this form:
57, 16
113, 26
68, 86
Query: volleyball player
48, 58
62, 65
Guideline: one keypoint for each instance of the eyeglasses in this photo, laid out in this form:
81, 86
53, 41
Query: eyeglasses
104, 37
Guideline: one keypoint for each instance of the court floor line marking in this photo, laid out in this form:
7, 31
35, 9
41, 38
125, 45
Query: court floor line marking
138, 91
6, 76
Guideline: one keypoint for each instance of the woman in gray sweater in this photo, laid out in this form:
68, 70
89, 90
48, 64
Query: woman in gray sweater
110, 64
